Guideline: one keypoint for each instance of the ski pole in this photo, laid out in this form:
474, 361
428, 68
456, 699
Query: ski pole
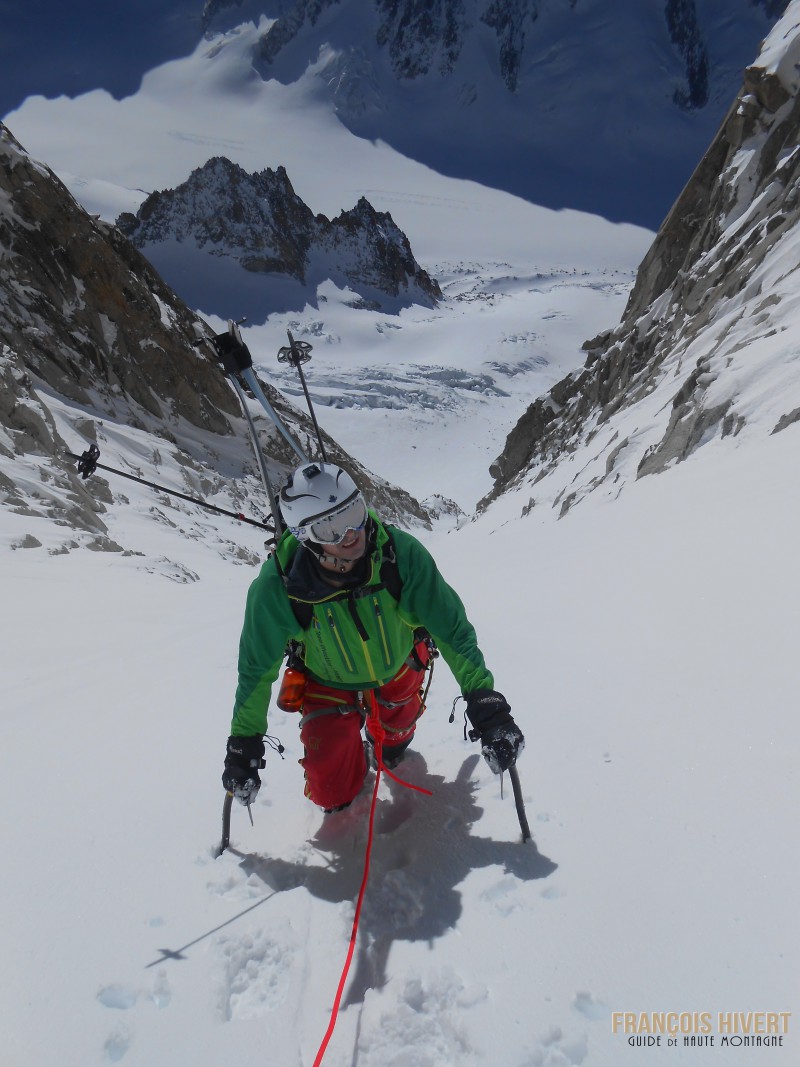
520, 806
88, 464
297, 353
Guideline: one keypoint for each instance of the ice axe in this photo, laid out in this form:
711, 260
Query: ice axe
520, 806
227, 804
226, 823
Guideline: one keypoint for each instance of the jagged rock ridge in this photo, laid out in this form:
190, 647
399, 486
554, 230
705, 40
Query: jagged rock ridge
683, 365
95, 346
261, 224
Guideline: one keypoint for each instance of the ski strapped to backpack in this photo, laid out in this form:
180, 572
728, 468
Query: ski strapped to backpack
234, 357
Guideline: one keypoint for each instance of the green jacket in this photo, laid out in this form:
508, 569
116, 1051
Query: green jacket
339, 651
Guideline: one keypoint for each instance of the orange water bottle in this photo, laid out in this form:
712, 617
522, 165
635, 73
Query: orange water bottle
292, 691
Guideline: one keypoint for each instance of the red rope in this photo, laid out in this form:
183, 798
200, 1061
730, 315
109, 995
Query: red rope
401, 781
377, 733
351, 948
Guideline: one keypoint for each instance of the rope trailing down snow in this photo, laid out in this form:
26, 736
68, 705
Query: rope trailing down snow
378, 734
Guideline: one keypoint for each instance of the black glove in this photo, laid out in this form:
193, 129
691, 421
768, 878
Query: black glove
492, 723
244, 758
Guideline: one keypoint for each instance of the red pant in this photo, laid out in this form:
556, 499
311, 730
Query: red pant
334, 761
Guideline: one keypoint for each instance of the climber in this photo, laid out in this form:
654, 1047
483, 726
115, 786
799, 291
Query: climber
361, 606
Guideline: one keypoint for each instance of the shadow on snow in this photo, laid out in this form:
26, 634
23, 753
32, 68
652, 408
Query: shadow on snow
422, 851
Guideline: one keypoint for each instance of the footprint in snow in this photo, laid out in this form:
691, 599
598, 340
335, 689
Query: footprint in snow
594, 1010
426, 1025
117, 1043
392, 816
123, 998
117, 996
255, 978
559, 1048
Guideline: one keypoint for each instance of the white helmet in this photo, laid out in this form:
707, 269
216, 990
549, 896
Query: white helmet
321, 503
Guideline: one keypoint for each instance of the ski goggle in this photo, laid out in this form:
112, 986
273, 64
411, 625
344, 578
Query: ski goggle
333, 527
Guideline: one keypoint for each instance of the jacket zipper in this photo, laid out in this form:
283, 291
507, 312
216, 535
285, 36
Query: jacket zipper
387, 658
340, 643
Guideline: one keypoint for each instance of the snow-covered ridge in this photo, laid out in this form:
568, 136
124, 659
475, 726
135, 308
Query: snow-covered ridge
706, 346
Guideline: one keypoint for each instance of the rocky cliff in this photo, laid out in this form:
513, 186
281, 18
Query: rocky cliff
259, 223
95, 347
709, 318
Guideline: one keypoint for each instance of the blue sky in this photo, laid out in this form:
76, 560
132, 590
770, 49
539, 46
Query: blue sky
51, 48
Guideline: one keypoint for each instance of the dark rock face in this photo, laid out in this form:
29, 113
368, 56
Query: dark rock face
684, 32
259, 221
421, 36
509, 19
84, 316
287, 27
87, 312
728, 221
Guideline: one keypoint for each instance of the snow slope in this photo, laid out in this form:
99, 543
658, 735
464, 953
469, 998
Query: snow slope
647, 647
